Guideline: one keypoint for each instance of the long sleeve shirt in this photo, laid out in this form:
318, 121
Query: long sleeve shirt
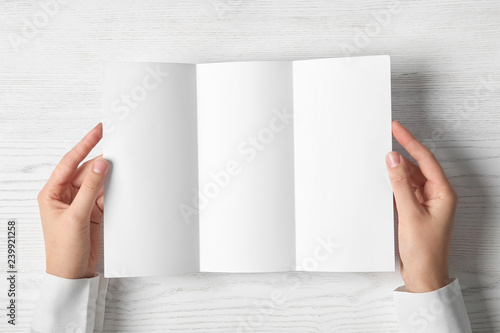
77, 305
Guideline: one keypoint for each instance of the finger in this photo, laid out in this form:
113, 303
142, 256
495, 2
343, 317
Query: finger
428, 163
95, 236
85, 199
404, 193
417, 178
82, 170
64, 171
96, 213
100, 203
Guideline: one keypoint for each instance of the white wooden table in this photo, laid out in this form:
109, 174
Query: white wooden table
446, 83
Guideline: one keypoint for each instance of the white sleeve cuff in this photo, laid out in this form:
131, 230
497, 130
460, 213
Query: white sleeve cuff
70, 305
442, 310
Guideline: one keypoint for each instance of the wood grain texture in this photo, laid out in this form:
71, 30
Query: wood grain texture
446, 83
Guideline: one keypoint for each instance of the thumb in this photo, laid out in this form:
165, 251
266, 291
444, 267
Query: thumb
86, 197
404, 194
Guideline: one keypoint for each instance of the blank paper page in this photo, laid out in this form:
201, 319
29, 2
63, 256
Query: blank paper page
245, 138
149, 118
343, 198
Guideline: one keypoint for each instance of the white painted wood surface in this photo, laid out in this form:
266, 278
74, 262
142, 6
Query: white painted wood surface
446, 83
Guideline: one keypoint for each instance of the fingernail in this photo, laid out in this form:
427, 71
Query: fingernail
393, 159
100, 165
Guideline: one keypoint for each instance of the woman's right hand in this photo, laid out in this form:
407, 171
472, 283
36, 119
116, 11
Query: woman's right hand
426, 204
